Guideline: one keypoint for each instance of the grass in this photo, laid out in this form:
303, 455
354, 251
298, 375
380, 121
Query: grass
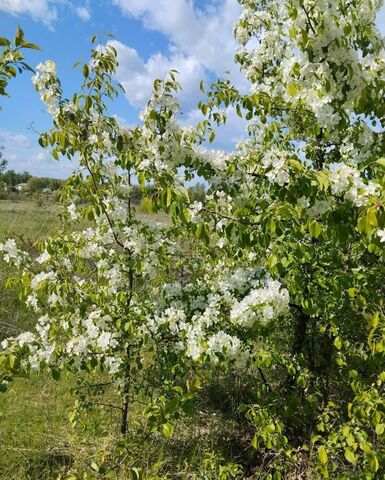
27, 220
37, 441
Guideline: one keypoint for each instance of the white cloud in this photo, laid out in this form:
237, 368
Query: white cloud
205, 35
200, 45
137, 76
41, 10
44, 10
83, 12
23, 154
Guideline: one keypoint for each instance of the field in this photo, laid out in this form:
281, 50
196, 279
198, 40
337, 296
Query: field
37, 440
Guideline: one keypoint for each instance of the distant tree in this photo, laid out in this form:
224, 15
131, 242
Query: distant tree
36, 184
197, 193
136, 193
11, 178
3, 161
54, 183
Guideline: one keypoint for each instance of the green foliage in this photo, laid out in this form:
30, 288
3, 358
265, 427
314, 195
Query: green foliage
11, 58
3, 163
11, 178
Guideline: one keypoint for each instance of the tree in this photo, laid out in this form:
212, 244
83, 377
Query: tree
11, 178
3, 162
276, 274
197, 192
35, 184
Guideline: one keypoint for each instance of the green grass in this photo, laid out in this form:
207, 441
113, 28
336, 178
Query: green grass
27, 220
37, 442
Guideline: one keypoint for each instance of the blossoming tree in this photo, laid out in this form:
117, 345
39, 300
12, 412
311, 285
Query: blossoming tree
278, 273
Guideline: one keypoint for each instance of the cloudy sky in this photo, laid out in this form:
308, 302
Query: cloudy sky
151, 36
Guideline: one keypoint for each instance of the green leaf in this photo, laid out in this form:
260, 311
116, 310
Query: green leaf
352, 292
4, 42
119, 143
296, 165
95, 466
323, 180
337, 343
55, 374
19, 37
322, 455
349, 455
86, 70
168, 197
171, 406
315, 229
167, 430
31, 46
374, 464
292, 89
381, 161
110, 474
12, 360
134, 473
380, 428
371, 216
187, 406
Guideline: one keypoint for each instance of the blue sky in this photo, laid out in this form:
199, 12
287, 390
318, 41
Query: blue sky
151, 36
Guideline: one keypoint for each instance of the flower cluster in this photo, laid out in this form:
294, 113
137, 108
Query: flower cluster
47, 85
204, 317
274, 162
347, 181
11, 254
313, 57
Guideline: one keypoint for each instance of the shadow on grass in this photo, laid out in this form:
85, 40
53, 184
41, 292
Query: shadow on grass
49, 465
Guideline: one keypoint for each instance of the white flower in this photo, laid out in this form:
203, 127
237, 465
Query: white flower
26, 337
113, 364
274, 162
11, 252
44, 257
77, 345
47, 67
32, 301
93, 139
106, 341
42, 277
268, 301
381, 234
195, 208
73, 211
